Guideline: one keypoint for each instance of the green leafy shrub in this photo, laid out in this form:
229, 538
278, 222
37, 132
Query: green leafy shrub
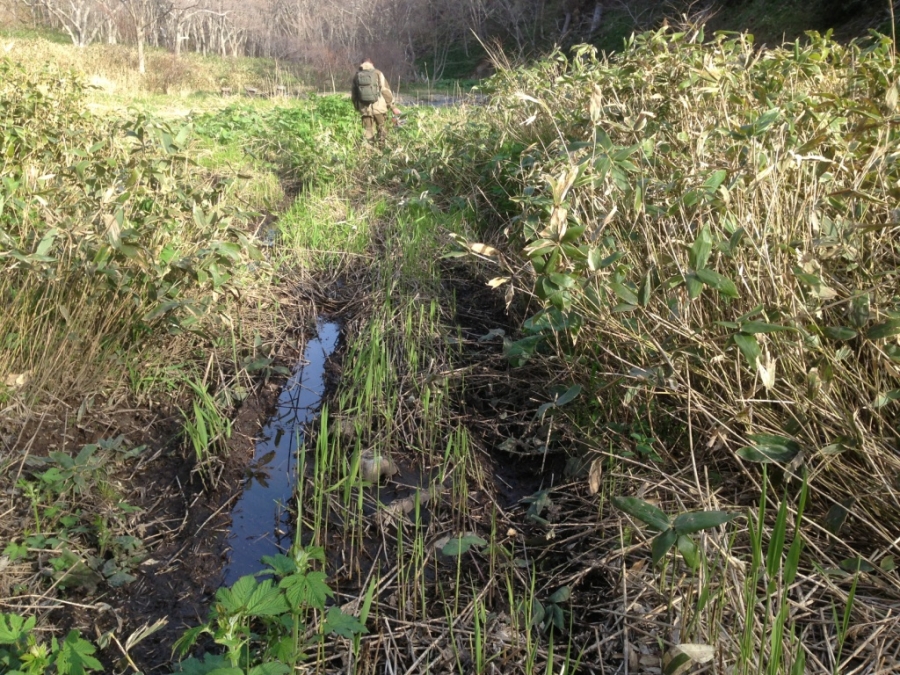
262, 624
21, 654
107, 233
716, 227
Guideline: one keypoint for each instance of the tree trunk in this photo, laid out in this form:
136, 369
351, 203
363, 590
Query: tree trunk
566, 23
142, 68
596, 18
178, 28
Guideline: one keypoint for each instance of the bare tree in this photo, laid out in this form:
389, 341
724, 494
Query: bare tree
80, 19
145, 15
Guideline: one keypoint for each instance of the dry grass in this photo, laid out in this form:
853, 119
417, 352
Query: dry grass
772, 172
113, 70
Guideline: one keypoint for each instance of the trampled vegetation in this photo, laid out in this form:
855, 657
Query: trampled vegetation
620, 381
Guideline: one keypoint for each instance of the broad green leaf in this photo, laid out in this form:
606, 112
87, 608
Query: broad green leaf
460, 545
749, 348
694, 286
723, 284
182, 136
308, 590
688, 550
573, 232
14, 628
716, 178
539, 247
625, 293
345, 625
860, 313
570, 394
884, 330
695, 521
837, 515
833, 449
75, 655
563, 280
754, 327
200, 218
887, 397
839, 333
643, 511
893, 352
120, 578
266, 600
773, 440
856, 565
611, 259
521, 350
562, 594
281, 564
557, 619
764, 454
594, 259
46, 242
735, 239
662, 543
702, 247
645, 290
229, 249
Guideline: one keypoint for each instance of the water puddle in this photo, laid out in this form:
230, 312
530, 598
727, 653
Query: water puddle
260, 525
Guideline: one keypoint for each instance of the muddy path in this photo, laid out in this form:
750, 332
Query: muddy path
199, 534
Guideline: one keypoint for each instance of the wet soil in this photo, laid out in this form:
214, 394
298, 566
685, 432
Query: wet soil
181, 522
181, 517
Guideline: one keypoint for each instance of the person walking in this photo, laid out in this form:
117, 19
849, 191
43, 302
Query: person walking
372, 98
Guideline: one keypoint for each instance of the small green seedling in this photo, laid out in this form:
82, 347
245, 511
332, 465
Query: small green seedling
673, 533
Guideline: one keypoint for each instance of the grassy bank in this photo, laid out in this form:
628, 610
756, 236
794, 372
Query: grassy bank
173, 84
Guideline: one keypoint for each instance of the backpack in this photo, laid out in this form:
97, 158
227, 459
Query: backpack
367, 86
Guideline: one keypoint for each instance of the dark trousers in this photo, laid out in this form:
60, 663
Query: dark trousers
373, 124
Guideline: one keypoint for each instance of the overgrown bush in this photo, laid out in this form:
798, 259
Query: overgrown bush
709, 234
712, 231
108, 233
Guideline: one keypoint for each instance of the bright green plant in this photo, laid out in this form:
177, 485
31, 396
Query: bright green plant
549, 614
22, 654
770, 576
309, 142
82, 550
262, 624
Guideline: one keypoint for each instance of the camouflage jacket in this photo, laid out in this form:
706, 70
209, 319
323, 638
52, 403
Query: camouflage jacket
379, 107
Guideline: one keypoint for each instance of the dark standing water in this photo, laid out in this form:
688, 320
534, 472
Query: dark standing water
259, 521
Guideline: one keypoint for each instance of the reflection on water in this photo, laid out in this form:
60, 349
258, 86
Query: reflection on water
259, 523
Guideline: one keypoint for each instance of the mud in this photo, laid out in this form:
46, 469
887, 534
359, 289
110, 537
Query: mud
181, 520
